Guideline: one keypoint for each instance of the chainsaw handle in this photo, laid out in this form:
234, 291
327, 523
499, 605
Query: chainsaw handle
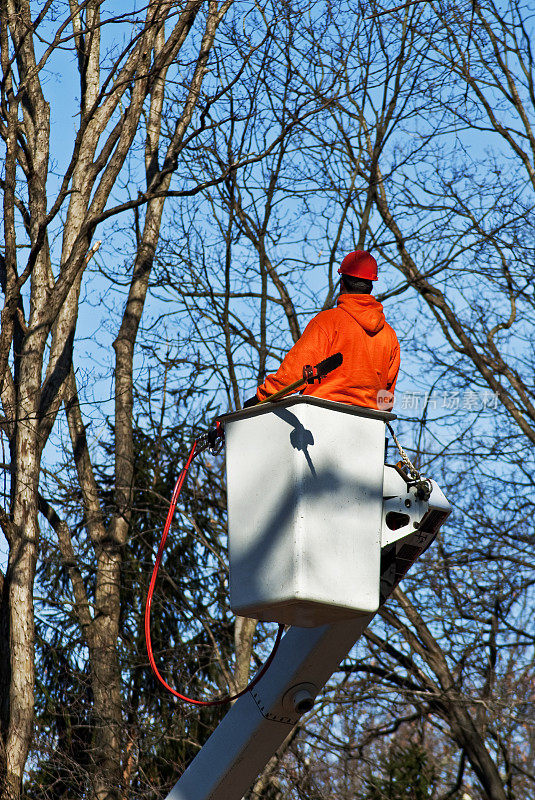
311, 374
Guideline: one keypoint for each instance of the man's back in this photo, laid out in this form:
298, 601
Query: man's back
356, 328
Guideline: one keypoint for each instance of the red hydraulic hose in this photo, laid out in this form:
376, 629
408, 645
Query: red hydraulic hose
217, 701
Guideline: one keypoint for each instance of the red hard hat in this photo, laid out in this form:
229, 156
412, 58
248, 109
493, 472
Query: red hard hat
359, 264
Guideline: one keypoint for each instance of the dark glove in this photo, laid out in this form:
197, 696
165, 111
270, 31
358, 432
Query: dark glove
252, 401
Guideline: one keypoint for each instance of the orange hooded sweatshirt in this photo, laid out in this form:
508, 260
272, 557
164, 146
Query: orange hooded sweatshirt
356, 328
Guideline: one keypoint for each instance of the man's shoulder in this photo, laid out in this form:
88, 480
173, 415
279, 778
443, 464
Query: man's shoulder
326, 319
391, 330
392, 339
327, 314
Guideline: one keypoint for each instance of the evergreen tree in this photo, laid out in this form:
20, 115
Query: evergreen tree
407, 774
191, 631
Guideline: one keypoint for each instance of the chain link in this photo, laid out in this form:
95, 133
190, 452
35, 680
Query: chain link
414, 473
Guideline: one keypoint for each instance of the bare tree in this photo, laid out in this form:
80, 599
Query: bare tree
118, 91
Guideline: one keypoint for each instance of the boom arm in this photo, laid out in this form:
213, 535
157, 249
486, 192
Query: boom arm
260, 721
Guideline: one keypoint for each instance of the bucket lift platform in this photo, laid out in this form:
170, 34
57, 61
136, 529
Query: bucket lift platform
320, 533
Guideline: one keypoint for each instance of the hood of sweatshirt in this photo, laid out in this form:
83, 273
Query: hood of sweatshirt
365, 309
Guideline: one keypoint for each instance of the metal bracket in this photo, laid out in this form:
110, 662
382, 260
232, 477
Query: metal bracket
402, 515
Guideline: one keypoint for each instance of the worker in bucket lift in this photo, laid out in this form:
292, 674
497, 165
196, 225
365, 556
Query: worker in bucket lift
356, 328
